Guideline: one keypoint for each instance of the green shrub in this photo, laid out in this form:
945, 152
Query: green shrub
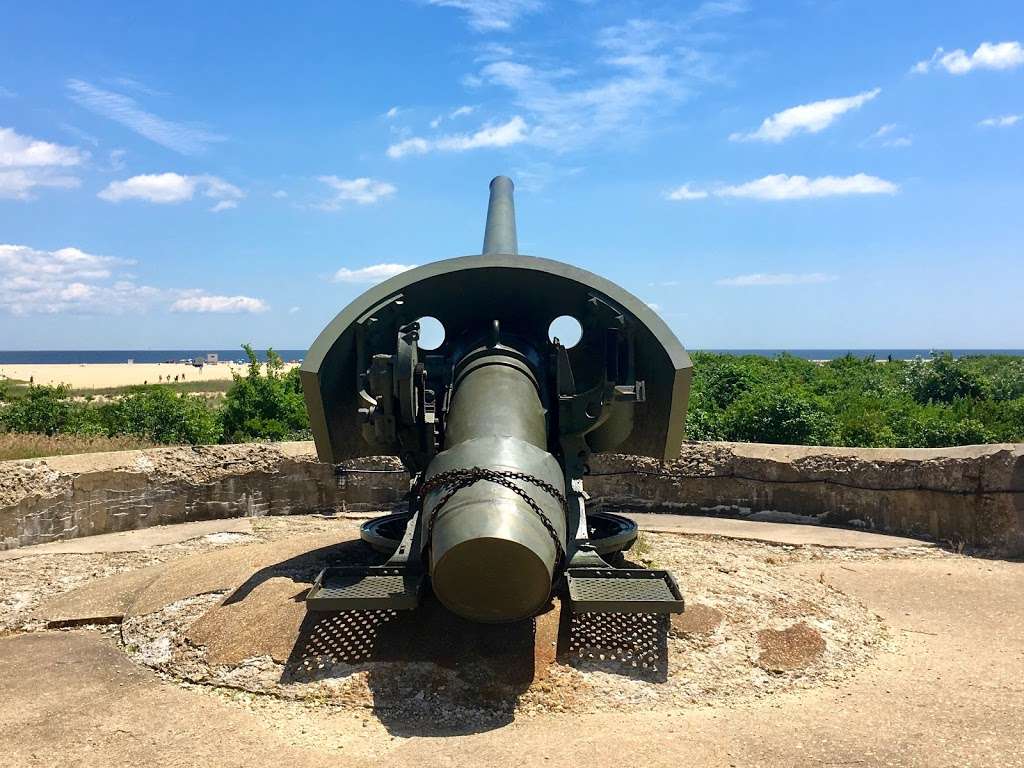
703, 420
1007, 381
940, 429
45, 410
943, 379
265, 406
159, 414
723, 384
767, 415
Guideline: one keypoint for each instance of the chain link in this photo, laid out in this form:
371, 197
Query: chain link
455, 480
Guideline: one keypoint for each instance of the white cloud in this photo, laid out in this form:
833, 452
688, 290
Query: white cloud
173, 188
374, 273
414, 146
987, 56
782, 278
1004, 121
18, 151
654, 306
27, 164
198, 301
184, 138
491, 15
21, 183
642, 69
66, 280
7, 93
500, 135
116, 159
805, 118
156, 188
685, 193
280, 194
363, 191
781, 186
715, 9
131, 84
462, 112
293, 310
392, 113
884, 137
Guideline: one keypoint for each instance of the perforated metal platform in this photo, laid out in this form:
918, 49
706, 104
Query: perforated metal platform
361, 587
623, 590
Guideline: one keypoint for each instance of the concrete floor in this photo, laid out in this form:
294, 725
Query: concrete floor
951, 693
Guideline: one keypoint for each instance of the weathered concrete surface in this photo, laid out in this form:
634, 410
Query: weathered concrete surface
146, 589
132, 541
240, 567
66, 497
113, 597
255, 625
101, 601
773, 533
73, 699
951, 694
972, 495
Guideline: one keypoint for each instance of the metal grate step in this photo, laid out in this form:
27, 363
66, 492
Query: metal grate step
623, 590
365, 587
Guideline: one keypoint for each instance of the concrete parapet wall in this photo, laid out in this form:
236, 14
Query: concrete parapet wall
64, 497
972, 494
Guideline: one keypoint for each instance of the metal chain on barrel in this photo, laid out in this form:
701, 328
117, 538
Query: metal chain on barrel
455, 480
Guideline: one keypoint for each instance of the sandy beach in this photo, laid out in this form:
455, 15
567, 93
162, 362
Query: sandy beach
109, 375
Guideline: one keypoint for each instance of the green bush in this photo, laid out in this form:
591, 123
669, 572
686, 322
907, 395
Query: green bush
849, 401
723, 384
857, 401
703, 423
265, 406
766, 415
159, 414
45, 410
941, 429
943, 379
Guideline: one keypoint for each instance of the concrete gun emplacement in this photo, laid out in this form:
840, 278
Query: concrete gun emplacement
496, 426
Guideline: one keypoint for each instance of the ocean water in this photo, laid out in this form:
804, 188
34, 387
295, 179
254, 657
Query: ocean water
162, 355
138, 355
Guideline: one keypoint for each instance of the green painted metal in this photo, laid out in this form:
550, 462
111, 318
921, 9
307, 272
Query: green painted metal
500, 229
513, 289
498, 423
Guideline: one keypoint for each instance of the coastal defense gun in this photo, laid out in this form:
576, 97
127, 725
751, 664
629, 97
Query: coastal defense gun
496, 424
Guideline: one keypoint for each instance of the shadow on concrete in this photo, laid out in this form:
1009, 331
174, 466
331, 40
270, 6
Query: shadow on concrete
628, 644
304, 568
432, 673
424, 665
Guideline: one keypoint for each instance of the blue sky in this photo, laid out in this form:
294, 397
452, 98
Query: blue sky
805, 174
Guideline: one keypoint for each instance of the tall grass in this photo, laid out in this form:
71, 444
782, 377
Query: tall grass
32, 446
